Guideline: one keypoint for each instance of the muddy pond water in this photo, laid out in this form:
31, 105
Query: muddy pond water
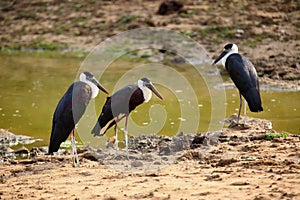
32, 84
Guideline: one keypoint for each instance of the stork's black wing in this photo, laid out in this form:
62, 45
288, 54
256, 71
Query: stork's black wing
120, 104
243, 74
68, 112
120, 100
252, 72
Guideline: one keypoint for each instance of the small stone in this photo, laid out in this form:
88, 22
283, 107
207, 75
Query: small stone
137, 163
6, 150
239, 183
22, 151
168, 7
157, 163
93, 156
198, 141
295, 65
165, 151
165, 158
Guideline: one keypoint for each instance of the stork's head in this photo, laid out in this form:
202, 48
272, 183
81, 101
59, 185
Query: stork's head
228, 50
146, 86
89, 79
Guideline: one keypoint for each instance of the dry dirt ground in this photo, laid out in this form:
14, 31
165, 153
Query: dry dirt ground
232, 163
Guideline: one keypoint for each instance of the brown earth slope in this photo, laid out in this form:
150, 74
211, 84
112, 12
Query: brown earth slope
266, 31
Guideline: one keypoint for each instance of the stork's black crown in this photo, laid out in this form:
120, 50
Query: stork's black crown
228, 46
88, 74
145, 80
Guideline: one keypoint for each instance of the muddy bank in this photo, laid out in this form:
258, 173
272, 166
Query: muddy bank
254, 161
266, 32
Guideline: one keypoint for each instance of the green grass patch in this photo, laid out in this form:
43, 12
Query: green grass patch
272, 136
80, 19
125, 19
187, 14
189, 33
218, 33
254, 41
27, 15
203, 32
222, 31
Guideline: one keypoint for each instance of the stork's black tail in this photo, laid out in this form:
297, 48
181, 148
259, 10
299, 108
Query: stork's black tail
253, 99
53, 148
96, 129
59, 134
105, 120
54, 140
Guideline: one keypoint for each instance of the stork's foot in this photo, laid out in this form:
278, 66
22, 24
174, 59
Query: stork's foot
233, 124
75, 163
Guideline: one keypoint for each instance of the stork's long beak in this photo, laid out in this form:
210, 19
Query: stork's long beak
154, 90
223, 53
99, 86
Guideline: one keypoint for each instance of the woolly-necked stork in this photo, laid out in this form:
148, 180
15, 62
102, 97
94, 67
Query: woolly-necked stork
244, 76
70, 109
120, 104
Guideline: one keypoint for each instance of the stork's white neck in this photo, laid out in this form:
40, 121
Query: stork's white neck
94, 88
146, 91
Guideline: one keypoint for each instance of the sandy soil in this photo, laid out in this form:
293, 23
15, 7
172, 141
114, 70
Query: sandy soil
232, 163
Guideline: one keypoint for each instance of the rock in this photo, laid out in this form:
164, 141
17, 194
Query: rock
81, 150
10, 139
214, 177
197, 141
164, 151
168, 7
157, 163
291, 76
295, 65
181, 142
2, 180
239, 183
93, 156
6, 150
43, 150
209, 138
224, 162
110, 143
137, 163
34, 152
164, 158
22, 151
7, 138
